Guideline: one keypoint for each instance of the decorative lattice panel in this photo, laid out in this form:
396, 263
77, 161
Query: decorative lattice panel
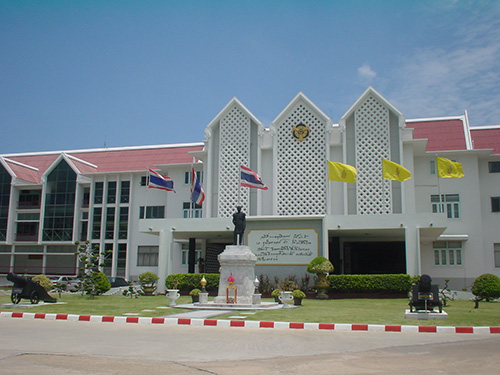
301, 165
234, 143
372, 134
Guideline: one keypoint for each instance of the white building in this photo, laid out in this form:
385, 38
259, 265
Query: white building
443, 227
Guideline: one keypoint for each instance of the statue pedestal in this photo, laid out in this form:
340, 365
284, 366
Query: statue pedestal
239, 261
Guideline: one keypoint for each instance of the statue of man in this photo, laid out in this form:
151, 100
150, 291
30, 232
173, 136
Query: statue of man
239, 222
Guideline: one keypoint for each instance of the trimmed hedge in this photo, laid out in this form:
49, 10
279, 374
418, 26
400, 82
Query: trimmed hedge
387, 284
189, 281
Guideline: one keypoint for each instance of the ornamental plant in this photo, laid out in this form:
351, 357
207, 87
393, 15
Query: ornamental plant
148, 278
276, 293
94, 282
299, 294
320, 265
195, 292
486, 287
44, 281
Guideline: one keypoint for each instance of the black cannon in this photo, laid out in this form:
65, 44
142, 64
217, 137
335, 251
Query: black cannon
25, 287
425, 296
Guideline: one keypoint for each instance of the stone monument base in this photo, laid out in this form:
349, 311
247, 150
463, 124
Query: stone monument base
238, 261
425, 315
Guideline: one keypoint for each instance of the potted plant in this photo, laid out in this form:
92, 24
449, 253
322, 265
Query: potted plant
195, 295
298, 295
321, 267
148, 280
275, 294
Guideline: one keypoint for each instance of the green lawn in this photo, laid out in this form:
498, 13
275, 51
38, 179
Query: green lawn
362, 311
117, 305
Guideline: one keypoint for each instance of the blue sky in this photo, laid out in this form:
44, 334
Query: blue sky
84, 74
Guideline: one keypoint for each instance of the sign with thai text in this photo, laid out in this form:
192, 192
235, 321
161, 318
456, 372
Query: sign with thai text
284, 246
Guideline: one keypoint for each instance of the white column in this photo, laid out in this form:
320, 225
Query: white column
412, 246
165, 258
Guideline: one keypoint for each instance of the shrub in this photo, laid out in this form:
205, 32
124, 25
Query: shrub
486, 286
320, 265
276, 293
44, 281
148, 278
391, 284
101, 282
188, 281
288, 284
195, 292
297, 293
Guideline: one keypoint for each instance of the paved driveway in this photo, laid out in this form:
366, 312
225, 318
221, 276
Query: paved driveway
65, 347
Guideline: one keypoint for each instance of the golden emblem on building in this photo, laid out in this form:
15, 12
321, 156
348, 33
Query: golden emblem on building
300, 132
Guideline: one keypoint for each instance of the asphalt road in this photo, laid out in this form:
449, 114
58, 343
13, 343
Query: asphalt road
65, 347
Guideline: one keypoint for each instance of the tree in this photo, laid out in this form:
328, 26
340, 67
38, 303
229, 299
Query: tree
93, 281
486, 287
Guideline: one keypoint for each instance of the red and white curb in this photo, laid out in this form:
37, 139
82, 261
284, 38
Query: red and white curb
252, 324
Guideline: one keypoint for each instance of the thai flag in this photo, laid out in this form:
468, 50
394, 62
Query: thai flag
197, 193
157, 181
251, 179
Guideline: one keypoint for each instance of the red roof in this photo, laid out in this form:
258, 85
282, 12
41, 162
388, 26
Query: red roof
106, 161
486, 138
442, 135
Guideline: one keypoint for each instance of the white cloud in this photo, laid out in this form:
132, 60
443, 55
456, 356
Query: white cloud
464, 75
366, 73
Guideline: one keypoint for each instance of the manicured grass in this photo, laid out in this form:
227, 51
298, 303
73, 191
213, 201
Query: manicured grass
357, 311
116, 305
379, 311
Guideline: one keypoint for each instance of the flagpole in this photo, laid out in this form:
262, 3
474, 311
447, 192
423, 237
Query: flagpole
441, 208
191, 203
146, 194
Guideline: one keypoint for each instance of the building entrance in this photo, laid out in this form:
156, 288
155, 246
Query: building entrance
373, 257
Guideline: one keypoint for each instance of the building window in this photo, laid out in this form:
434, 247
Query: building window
121, 261
191, 209
112, 192
495, 204
96, 223
110, 223
125, 192
147, 256
494, 166
496, 253
59, 204
447, 253
449, 203
98, 192
185, 254
152, 212
86, 197
27, 231
123, 224
433, 167
187, 177
29, 199
5, 180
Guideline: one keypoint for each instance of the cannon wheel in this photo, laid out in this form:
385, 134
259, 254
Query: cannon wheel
15, 298
34, 298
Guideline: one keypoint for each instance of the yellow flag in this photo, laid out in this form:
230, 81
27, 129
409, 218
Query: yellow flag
341, 172
448, 169
393, 171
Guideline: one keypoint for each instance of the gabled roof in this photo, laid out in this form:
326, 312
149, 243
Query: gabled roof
301, 97
443, 134
371, 91
233, 102
31, 167
486, 137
